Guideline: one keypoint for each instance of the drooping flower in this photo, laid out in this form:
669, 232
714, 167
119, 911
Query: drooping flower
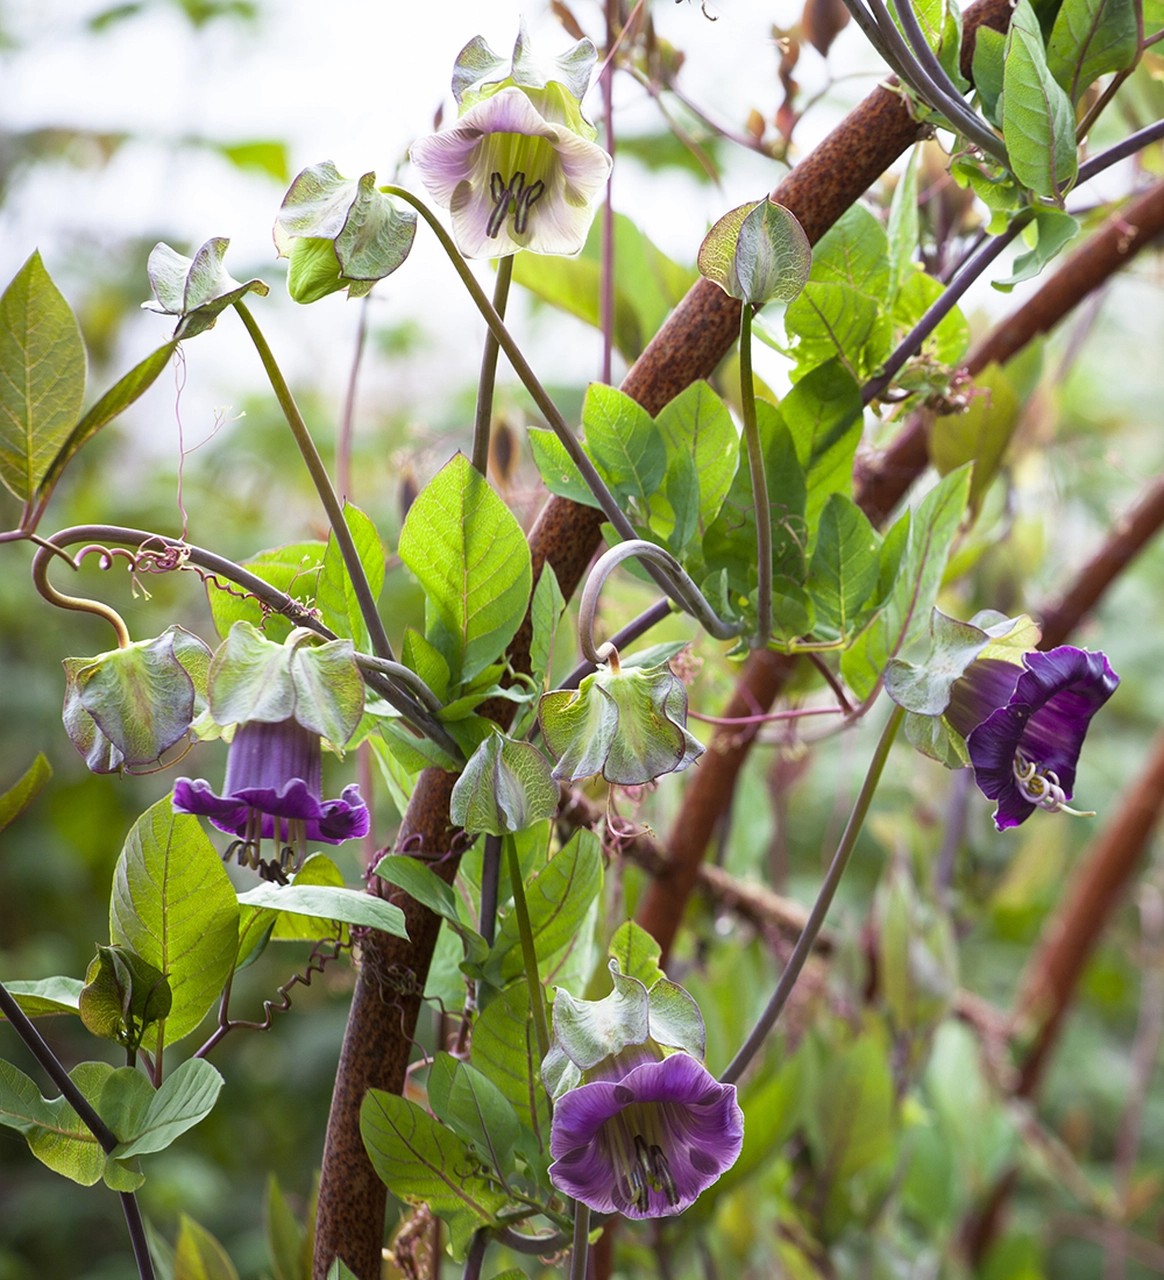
513, 179
640, 1126
273, 790
648, 1141
283, 700
1024, 726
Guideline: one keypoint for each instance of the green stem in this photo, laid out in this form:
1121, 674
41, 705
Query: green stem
529, 955
484, 420
580, 1250
759, 481
594, 482
323, 486
820, 907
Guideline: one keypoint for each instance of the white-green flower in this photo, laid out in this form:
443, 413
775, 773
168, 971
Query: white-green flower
512, 179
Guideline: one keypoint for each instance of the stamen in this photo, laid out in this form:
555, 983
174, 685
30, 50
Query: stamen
513, 194
1041, 788
661, 1168
525, 200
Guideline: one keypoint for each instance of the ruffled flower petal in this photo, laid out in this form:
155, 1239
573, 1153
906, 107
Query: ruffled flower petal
274, 778
647, 1145
498, 150
1041, 721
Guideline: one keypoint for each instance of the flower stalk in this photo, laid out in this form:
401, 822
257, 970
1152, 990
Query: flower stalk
820, 908
759, 481
529, 954
323, 485
483, 422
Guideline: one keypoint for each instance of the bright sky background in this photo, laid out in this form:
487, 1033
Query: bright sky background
354, 81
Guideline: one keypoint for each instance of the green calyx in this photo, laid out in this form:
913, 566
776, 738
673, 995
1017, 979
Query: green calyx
630, 725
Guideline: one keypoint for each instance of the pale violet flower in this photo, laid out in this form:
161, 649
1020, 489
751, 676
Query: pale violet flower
512, 179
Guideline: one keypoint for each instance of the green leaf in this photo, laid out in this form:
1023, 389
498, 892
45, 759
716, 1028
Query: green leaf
293, 569
854, 252
58, 1137
903, 230
505, 787
419, 881
42, 377
823, 413
757, 252
286, 1236
844, 568
471, 1104
114, 402
340, 1271
558, 898
980, 434
546, 611
199, 1256
505, 1048
996, 188
941, 24
637, 953
264, 156
24, 791
423, 1162
729, 546
557, 469
197, 289
1038, 121
989, 52
348, 906
336, 597
622, 439
836, 321
915, 587
703, 449
1049, 233
1089, 39
46, 996
319, 869
467, 550
174, 905
427, 661
950, 338
186, 1096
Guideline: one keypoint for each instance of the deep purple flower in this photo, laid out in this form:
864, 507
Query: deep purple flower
645, 1144
1024, 726
273, 791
